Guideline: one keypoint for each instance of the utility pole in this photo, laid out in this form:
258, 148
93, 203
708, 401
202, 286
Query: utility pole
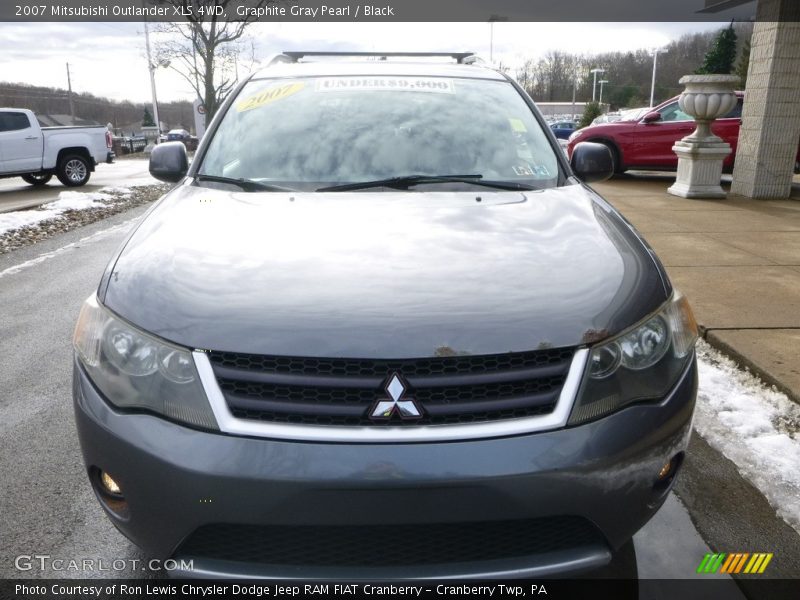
71, 101
152, 68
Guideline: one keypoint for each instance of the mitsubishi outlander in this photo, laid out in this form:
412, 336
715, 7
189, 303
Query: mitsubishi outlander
382, 329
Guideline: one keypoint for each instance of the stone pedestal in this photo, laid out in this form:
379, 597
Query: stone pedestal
699, 169
700, 155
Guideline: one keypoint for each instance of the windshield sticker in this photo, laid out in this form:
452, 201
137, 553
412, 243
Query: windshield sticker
517, 125
269, 95
382, 84
523, 170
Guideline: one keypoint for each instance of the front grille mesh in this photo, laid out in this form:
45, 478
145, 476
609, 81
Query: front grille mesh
389, 545
439, 365
449, 390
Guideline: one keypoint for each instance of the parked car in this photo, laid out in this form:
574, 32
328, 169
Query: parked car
37, 153
563, 129
607, 118
399, 324
178, 135
644, 141
181, 135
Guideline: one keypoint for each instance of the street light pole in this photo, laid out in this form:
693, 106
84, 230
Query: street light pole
653, 84
491, 41
594, 85
574, 92
492, 20
602, 81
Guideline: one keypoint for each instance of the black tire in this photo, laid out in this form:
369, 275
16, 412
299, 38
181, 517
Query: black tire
36, 179
73, 170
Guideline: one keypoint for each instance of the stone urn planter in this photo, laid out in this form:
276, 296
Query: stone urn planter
700, 154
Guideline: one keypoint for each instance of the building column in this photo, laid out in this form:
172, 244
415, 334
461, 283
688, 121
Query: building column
770, 130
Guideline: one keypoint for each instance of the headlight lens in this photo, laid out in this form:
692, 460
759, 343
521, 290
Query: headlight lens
640, 364
644, 346
136, 370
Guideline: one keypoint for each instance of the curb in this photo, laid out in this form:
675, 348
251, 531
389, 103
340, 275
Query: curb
742, 361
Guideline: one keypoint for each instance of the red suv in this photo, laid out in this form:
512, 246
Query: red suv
646, 142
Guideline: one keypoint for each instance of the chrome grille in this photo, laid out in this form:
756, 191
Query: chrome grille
450, 390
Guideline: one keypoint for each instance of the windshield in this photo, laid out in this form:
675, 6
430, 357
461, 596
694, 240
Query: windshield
307, 133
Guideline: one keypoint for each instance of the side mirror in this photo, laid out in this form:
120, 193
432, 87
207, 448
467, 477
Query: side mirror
592, 162
169, 162
651, 117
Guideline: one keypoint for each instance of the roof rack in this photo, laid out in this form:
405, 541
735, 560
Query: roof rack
460, 57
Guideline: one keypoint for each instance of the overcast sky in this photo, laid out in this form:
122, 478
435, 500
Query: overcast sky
108, 59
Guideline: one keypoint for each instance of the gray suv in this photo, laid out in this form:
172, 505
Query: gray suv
380, 328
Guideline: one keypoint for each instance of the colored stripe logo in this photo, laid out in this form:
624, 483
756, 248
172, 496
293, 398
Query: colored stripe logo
736, 562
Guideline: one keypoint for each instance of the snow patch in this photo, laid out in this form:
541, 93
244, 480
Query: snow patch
22, 218
53, 210
117, 191
753, 425
77, 201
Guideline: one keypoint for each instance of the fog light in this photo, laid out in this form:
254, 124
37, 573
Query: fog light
665, 471
111, 486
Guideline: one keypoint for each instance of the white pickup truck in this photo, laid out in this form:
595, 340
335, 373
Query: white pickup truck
37, 153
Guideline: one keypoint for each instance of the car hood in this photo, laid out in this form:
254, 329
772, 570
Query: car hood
383, 274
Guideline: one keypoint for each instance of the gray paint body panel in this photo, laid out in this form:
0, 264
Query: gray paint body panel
388, 275
603, 471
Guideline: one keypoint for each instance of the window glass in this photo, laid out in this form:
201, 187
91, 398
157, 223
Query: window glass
310, 132
736, 111
673, 112
13, 121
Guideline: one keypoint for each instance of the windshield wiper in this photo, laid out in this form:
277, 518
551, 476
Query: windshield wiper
407, 181
248, 185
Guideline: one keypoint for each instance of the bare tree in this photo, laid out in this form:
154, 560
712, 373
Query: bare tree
205, 49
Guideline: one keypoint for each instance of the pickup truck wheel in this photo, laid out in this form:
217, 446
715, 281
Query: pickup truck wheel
35, 179
73, 170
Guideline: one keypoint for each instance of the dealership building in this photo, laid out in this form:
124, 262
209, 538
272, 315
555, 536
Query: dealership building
770, 131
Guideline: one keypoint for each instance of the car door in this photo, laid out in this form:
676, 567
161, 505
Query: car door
727, 128
653, 146
21, 143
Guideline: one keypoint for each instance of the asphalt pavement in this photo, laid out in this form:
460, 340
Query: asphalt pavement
15, 194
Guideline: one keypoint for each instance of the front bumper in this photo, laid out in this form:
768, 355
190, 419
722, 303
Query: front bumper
176, 480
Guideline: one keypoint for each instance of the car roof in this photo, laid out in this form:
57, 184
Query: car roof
330, 68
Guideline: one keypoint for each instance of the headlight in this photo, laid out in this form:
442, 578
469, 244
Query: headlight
640, 364
138, 371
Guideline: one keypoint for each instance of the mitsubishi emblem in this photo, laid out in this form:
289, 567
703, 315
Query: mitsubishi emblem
406, 408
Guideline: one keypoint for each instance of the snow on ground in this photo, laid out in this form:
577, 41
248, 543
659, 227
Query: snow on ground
121, 191
67, 200
755, 426
77, 201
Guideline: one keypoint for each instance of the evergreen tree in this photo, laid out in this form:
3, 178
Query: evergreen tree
744, 63
590, 113
147, 120
720, 57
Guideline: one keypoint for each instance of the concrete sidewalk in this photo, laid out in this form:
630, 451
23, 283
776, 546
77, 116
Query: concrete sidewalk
738, 262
